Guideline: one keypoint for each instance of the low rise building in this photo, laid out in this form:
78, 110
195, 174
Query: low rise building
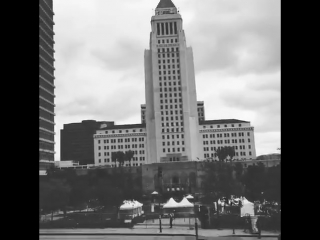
120, 138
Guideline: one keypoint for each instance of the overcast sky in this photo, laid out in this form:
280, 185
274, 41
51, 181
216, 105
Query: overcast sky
99, 61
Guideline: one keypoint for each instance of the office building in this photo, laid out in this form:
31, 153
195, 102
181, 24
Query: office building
46, 81
173, 124
76, 141
122, 138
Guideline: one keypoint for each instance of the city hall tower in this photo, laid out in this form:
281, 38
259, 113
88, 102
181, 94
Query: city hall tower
171, 101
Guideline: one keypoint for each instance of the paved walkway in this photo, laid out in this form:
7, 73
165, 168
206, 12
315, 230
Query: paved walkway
203, 233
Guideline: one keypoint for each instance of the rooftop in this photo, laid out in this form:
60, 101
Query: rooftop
165, 4
125, 126
221, 121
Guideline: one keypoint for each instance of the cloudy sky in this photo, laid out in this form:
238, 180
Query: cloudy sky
99, 61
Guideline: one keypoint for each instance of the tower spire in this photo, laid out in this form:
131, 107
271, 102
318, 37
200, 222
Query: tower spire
165, 4
165, 7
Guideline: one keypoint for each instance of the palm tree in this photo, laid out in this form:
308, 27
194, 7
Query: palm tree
114, 158
128, 156
121, 158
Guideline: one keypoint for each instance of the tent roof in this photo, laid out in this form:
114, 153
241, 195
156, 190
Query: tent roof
154, 192
130, 204
189, 196
185, 203
245, 201
171, 204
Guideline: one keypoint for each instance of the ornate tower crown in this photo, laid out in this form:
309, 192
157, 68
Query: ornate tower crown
165, 7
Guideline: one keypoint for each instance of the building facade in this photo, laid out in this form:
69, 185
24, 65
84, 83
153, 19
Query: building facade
173, 126
46, 81
228, 132
122, 138
171, 101
76, 141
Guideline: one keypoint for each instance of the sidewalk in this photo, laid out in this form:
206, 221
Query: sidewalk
202, 233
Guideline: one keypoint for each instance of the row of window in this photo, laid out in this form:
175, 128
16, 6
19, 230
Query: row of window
172, 136
120, 140
172, 118
172, 130
121, 146
169, 72
168, 50
170, 95
170, 89
167, 40
173, 150
168, 61
167, 28
172, 124
172, 143
169, 78
120, 131
171, 106
225, 141
226, 125
219, 135
165, 84
171, 100
171, 112
168, 55
235, 147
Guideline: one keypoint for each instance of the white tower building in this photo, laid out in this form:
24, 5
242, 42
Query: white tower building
171, 102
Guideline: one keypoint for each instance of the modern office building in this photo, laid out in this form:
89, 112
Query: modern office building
173, 125
46, 81
76, 141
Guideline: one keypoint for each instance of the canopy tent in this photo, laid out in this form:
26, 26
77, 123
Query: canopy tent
130, 204
247, 207
171, 204
154, 193
185, 203
189, 197
130, 209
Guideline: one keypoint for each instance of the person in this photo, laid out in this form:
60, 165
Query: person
247, 224
258, 224
171, 218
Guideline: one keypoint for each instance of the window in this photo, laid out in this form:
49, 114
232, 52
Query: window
218, 126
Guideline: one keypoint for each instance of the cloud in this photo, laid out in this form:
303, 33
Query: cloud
125, 54
236, 36
100, 60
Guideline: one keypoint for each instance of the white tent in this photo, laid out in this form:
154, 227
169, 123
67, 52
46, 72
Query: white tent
247, 208
189, 197
127, 205
171, 204
154, 192
185, 203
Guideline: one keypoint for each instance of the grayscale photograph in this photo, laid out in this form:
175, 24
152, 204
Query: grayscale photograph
160, 119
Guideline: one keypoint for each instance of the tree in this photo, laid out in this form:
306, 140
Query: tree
120, 157
114, 158
219, 181
128, 156
224, 152
53, 195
